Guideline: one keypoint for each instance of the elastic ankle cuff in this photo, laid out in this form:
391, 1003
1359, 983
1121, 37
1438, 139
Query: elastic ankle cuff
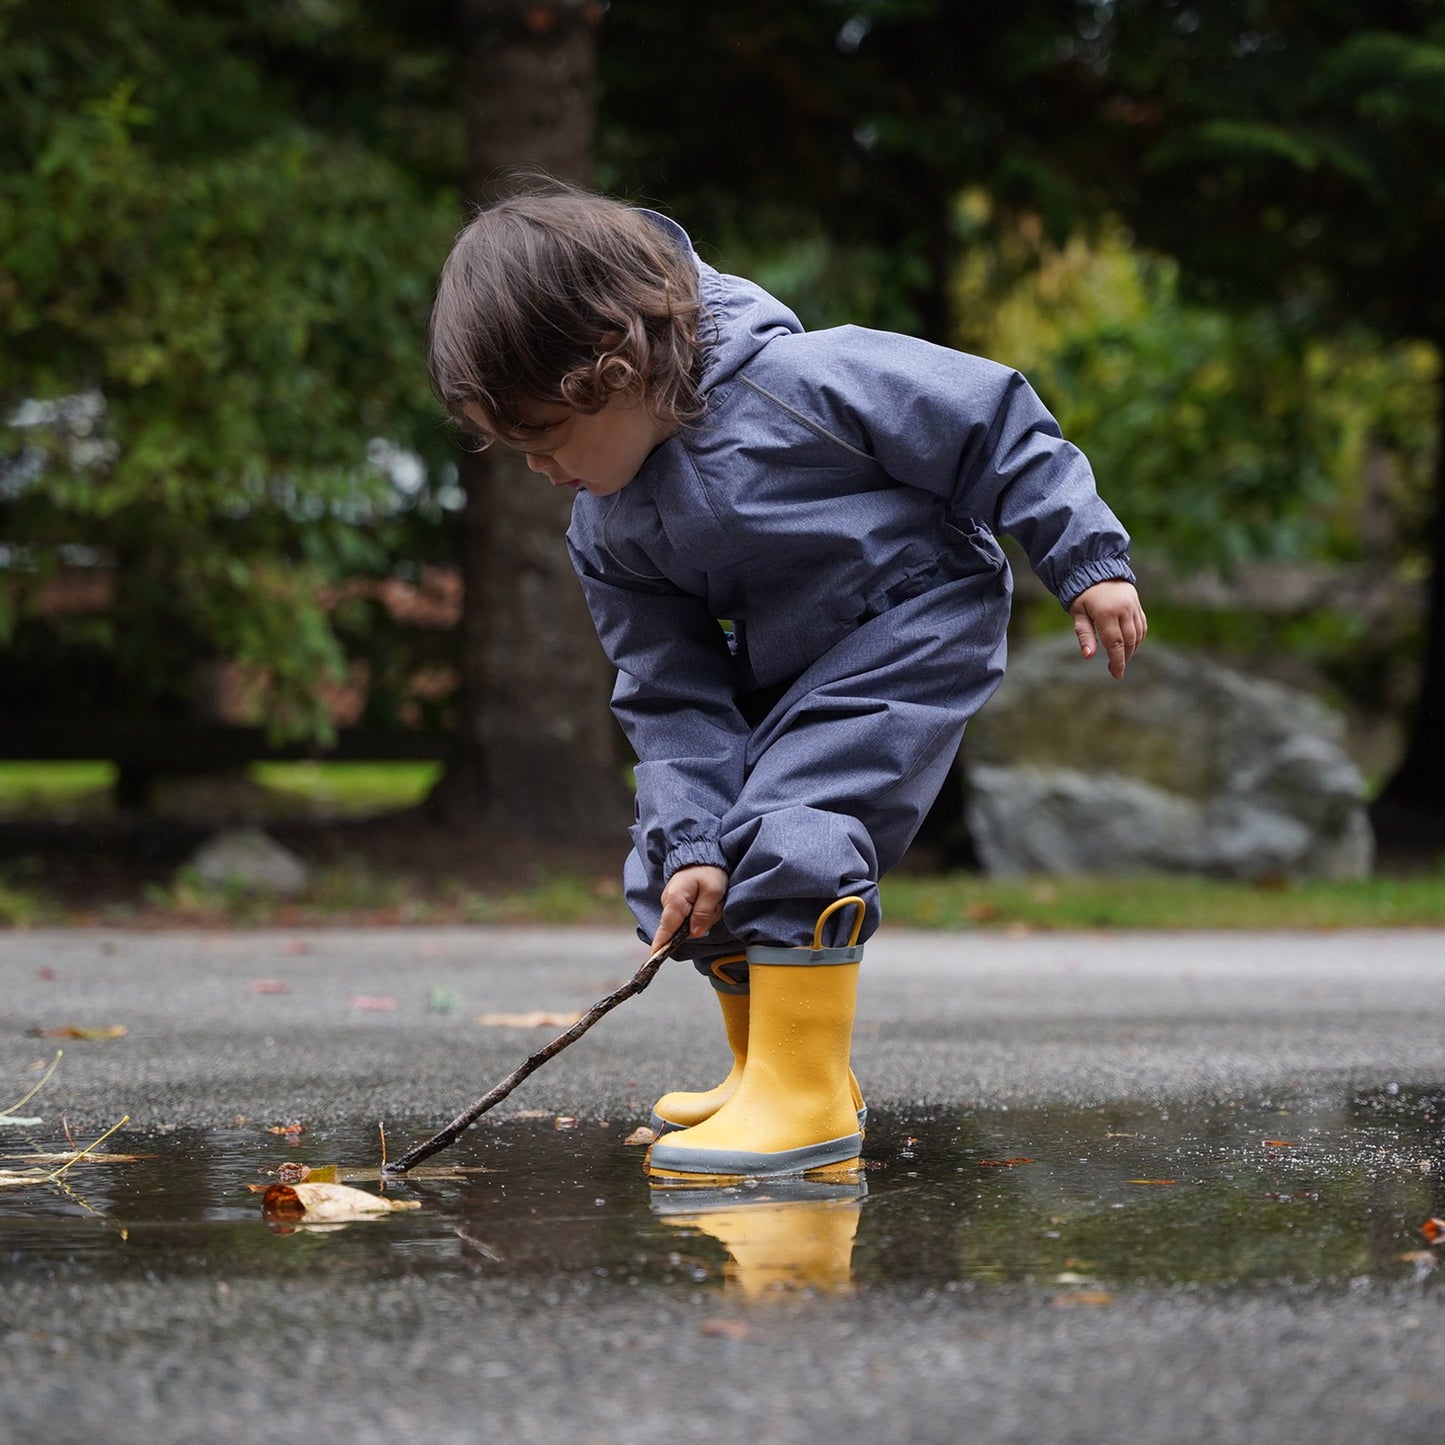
766, 953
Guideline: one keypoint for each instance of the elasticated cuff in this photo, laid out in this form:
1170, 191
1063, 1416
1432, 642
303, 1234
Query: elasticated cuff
694, 853
1086, 574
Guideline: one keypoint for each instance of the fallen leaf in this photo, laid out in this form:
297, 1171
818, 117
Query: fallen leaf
1003, 1163
108, 1031
268, 985
564, 1121
1095, 1297
373, 1003
1154, 1181
1419, 1256
289, 1131
1278, 1144
726, 1329
443, 1001
336, 1203
1433, 1230
541, 1019
641, 1135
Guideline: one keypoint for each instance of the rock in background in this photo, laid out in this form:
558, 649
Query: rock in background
1184, 766
251, 861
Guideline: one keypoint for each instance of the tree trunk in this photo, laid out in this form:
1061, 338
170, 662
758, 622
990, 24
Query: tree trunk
537, 753
1410, 813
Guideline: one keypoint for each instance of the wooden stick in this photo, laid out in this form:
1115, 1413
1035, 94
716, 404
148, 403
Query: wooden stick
468, 1117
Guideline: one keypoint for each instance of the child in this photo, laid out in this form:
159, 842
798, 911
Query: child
830, 498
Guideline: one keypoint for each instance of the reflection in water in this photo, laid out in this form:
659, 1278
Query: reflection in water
1235, 1191
781, 1236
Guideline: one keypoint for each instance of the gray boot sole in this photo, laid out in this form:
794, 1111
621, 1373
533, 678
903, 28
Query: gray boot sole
754, 1164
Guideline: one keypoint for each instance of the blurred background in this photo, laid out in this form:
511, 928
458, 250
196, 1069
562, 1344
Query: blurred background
247, 578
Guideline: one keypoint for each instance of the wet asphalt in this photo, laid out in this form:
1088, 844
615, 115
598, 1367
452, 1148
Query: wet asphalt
577, 1313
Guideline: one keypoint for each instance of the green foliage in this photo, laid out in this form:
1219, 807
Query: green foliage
240, 302
1280, 151
1221, 436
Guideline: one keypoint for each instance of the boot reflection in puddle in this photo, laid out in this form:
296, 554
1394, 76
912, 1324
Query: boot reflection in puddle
788, 1236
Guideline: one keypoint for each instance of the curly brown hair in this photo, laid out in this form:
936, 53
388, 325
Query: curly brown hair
553, 294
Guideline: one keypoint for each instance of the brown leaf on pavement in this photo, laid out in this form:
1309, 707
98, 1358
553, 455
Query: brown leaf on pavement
641, 1135
539, 1019
71, 1031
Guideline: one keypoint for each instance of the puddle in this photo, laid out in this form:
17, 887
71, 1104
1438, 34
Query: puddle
1292, 1189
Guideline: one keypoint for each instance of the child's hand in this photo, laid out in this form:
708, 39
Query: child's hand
1108, 615
698, 891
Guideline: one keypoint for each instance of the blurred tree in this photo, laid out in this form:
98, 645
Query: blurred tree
537, 752
853, 122
213, 320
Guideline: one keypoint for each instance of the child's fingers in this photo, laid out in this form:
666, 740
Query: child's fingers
697, 892
1108, 615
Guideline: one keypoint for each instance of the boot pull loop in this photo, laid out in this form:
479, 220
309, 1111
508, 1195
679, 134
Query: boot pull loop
832, 908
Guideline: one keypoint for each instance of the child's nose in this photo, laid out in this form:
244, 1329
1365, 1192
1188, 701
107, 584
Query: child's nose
538, 462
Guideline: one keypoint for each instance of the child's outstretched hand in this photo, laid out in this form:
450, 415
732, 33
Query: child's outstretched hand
1108, 615
697, 891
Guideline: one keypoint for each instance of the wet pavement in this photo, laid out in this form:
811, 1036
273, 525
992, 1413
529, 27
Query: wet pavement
1165, 1188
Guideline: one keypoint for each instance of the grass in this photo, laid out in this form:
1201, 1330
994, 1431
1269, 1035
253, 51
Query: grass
1162, 901
37, 790
348, 788
353, 889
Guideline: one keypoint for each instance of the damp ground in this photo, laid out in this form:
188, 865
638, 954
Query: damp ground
1280, 1189
1144, 1188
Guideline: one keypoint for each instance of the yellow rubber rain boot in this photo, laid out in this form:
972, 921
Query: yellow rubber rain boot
792, 1112
682, 1109
797, 1235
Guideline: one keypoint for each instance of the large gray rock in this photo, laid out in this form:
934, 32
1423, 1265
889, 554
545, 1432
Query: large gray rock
250, 860
1184, 766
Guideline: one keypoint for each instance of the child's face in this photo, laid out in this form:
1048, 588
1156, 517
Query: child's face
597, 452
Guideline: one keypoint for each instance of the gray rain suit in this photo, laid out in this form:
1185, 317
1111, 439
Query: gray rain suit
836, 510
